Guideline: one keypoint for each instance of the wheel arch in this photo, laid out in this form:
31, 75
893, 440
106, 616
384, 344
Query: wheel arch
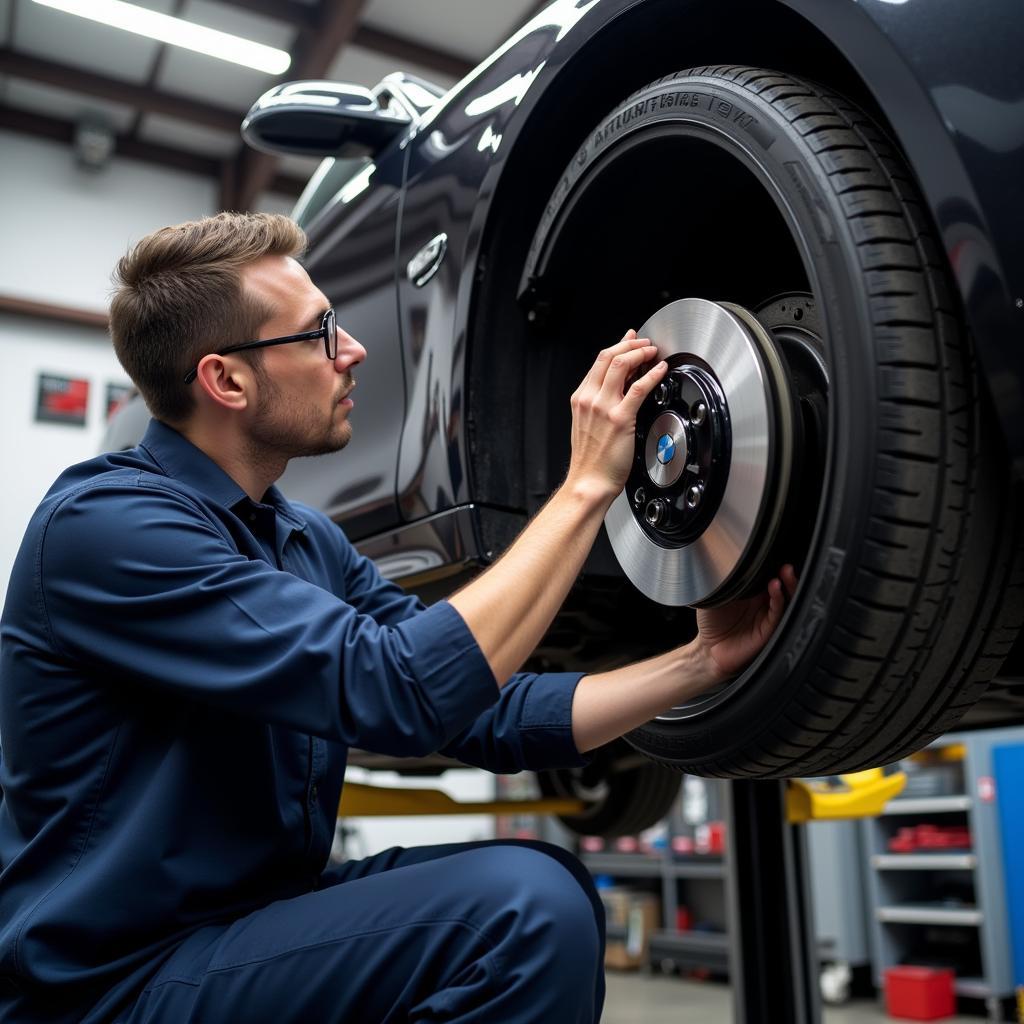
542, 138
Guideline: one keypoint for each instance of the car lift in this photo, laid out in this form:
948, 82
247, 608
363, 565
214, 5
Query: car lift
772, 956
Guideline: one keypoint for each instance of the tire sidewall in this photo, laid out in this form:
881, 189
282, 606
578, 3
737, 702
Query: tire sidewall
758, 135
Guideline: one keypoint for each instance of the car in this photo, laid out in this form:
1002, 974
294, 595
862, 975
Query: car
814, 211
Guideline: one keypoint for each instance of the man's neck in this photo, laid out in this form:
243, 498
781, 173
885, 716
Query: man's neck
253, 470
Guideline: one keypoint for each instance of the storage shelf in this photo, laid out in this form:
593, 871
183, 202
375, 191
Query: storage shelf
972, 988
697, 869
924, 861
627, 865
920, 913
692, 941
928, 805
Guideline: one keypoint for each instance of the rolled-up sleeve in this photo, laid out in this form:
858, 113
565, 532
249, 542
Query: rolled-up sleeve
136, 583
530, 727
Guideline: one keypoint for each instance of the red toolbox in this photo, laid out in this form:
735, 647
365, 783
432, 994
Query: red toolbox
919, 993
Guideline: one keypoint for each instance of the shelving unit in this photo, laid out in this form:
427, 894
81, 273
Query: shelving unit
697, 881
941, 905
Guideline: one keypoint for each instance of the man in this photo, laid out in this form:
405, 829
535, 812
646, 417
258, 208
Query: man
186, 657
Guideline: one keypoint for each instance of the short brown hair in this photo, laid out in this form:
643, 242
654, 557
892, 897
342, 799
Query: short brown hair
179, 297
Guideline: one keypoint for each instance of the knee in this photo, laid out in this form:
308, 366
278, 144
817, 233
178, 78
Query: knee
543, 900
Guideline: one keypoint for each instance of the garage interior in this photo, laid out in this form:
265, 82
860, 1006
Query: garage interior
868, 896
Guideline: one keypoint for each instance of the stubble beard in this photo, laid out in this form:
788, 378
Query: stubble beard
285, 432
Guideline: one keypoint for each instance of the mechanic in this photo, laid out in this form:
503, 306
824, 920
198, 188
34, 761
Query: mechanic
186, 657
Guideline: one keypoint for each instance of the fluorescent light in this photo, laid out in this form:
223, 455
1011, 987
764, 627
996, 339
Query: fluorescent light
177, 32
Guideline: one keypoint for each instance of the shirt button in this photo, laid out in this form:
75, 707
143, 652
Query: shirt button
252, 517
313, 794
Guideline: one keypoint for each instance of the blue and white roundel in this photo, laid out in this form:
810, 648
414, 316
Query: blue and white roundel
666, 449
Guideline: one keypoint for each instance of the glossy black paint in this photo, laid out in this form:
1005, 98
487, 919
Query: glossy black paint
447, 413
352, 259
947, 80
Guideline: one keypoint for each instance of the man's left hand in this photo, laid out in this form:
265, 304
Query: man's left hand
731, 636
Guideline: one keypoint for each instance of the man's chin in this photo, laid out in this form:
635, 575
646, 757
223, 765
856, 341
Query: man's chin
335, 440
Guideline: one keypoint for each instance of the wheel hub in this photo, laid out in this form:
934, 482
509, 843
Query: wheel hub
714, 457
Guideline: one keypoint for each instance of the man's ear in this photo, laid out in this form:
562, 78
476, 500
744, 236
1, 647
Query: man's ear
228, 382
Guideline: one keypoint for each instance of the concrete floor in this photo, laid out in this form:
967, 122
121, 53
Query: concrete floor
637, 998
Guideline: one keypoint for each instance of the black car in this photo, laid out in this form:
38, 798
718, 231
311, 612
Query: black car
815, 210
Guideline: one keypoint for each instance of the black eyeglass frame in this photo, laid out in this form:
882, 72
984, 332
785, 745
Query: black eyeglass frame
328, 330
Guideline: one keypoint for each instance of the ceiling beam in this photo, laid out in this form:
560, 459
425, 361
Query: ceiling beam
305, 18
154, 73
58, 130
148, 99
406, 50
313, 53
302, 16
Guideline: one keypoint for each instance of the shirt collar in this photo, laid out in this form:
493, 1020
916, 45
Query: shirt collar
180, 458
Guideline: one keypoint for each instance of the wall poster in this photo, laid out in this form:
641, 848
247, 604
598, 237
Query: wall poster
62, 400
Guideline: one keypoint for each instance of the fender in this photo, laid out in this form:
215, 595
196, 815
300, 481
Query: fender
508, 129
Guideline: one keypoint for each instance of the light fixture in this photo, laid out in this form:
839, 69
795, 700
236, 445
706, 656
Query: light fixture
177, 32
93, 141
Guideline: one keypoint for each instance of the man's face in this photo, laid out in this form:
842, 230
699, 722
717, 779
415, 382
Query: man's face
301, 405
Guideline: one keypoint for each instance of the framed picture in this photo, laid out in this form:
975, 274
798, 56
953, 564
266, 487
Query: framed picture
116, 394
62, 400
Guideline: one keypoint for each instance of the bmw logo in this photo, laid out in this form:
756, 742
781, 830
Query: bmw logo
666, 449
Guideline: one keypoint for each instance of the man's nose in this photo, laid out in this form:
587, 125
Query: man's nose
350, 352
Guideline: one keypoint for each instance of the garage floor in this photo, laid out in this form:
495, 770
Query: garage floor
653, 999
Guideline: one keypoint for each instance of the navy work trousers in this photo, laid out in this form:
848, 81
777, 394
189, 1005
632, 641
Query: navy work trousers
499, 931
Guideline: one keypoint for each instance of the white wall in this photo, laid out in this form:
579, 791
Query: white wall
35, 453
63, 229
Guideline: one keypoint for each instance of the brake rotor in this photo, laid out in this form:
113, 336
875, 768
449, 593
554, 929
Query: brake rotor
714, 457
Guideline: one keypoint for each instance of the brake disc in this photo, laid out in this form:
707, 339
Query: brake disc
714, 457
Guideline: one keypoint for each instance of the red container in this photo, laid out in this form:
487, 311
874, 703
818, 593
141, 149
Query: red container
919, 993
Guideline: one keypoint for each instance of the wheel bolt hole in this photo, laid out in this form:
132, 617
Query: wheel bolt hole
798, 313
655, 512
639, 497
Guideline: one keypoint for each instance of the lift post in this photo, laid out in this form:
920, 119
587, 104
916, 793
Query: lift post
773, 960
773, 957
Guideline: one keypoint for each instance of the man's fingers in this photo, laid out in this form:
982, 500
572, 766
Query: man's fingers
776, 606
788, 577
642, 387
622, 366
596, 374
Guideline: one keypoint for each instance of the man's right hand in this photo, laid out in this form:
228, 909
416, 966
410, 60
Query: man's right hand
604, 416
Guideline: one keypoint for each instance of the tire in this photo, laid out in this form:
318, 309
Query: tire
910, 590
624, 796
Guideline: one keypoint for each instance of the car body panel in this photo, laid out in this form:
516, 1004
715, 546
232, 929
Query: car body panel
947, 80
932, 94
352, 259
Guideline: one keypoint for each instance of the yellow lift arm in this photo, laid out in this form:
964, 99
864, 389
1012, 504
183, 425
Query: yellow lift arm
863, 795
359, 800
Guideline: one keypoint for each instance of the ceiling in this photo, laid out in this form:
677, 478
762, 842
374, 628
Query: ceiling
182, 109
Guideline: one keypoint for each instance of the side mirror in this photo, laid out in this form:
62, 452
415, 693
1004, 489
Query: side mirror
321, 119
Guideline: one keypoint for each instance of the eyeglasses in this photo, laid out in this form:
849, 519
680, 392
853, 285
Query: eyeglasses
328, 330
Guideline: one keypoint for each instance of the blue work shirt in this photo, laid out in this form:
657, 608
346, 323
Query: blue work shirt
182, 672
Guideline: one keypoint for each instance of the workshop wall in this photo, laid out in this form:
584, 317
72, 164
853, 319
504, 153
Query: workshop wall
64, 228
